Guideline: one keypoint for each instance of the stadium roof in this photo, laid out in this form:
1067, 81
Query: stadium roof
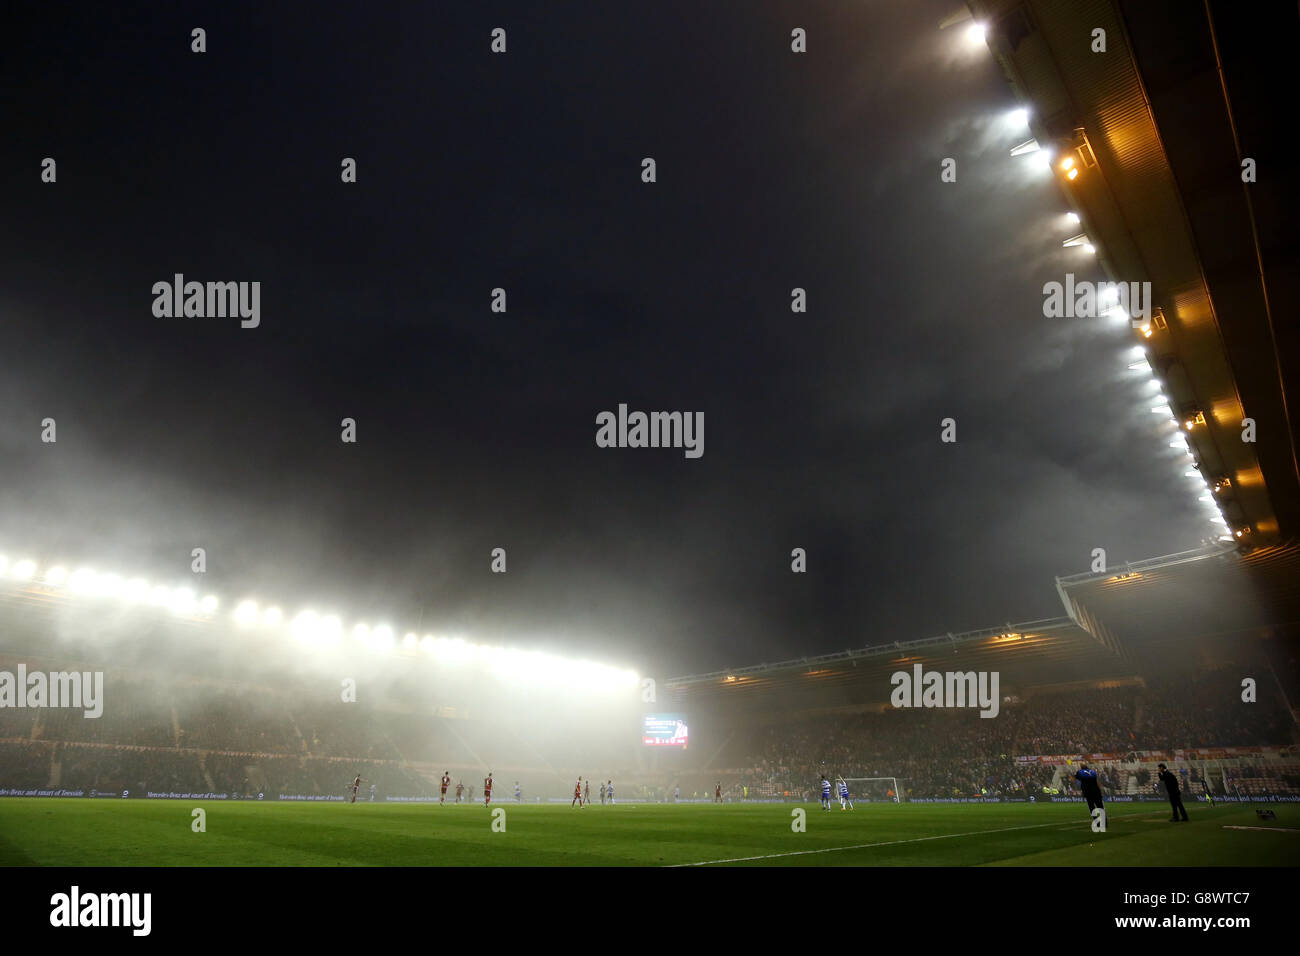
1161, 122
1204, 604
1210, 606
1026, 654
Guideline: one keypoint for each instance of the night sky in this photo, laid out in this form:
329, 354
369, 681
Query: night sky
476, 430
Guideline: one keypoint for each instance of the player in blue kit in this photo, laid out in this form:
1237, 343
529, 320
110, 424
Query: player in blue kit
826, 793
844, 796
1090, 786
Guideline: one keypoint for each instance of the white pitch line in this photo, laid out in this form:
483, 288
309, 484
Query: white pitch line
1270, 829
867, 846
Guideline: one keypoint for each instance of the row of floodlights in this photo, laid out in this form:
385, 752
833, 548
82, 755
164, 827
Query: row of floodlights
1213, 491
320, 633
89, 583
1073, 158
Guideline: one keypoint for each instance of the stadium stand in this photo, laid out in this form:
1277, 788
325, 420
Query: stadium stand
195, 706
190, 737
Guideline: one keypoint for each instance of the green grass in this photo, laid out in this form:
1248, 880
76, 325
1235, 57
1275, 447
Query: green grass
71, 832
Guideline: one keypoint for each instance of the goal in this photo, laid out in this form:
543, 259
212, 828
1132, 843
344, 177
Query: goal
871, 789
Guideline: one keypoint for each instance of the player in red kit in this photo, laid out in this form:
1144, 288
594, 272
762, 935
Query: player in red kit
717, 794
487, 789
355, 785
446, 782
577, 795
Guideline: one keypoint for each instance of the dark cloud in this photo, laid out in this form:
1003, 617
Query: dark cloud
477, 430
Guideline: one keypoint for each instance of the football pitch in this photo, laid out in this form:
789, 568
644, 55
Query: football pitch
71, 832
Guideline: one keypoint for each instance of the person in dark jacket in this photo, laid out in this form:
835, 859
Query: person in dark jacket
1175, 797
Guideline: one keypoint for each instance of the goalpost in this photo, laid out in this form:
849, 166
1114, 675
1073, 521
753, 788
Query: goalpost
872, 789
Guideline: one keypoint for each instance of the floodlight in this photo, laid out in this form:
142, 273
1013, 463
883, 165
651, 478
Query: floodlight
83, 581
246, 613
181, 601
329, 631
304, 626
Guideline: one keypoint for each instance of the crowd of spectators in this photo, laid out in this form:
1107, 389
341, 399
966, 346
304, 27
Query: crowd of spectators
946, 753
118, 768
1207, 710
24, 764
231, 739
1087, 721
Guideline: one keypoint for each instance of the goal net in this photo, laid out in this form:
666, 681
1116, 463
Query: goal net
869, 789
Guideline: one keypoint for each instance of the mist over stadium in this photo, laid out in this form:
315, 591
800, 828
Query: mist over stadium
992, 330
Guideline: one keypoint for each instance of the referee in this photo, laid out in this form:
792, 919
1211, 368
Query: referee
1175, 798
